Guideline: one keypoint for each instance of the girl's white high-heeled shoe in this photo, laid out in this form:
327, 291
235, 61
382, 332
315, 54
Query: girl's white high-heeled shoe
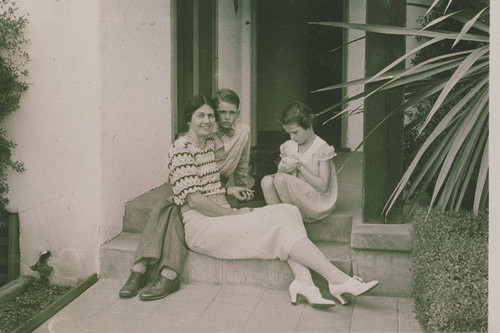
310, 293
354, 286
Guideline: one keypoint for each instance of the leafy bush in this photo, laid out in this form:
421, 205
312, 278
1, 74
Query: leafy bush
12, 69
450, 271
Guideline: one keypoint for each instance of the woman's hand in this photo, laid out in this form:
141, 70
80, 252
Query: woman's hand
244, 210
240, 193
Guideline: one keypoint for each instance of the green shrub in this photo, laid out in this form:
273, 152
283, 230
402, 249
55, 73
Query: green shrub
450, 271
13, 61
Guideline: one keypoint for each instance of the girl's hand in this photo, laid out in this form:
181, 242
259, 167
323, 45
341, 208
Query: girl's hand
240, 193
288, 164
297, 157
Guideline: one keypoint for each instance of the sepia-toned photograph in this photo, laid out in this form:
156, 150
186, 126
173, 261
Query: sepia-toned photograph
246, 166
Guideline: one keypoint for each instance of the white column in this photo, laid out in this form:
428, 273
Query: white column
355, 69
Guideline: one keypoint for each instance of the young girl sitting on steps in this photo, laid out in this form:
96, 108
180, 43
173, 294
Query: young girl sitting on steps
306, 174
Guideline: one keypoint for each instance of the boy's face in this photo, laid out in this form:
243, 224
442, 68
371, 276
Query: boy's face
228, 113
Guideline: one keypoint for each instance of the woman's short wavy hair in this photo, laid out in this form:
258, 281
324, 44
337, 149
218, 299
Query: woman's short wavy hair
196, 102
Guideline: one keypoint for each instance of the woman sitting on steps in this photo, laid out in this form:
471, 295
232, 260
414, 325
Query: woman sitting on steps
214, 229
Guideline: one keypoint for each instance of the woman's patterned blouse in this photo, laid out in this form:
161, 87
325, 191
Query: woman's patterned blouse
193, 169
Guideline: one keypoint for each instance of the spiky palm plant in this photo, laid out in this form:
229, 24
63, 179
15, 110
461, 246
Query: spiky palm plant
456, 150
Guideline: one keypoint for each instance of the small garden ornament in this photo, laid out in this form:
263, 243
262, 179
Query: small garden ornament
42, 267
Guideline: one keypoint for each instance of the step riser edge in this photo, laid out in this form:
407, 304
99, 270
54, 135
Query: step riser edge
272, 274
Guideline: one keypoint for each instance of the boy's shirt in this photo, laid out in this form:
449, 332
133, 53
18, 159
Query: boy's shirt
232, 153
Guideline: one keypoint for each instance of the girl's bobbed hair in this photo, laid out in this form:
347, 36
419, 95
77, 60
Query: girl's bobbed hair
297, 113
196, 102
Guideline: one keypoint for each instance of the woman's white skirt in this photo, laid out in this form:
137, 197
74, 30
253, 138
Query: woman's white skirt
265, 233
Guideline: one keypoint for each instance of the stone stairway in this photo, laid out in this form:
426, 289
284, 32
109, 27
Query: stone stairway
332, 235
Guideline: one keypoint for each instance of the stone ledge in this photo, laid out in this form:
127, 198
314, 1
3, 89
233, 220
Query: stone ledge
385, 237
382, 252
391, 268
333, 228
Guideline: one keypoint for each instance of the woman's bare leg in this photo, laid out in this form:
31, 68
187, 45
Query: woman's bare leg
306, 253
301, 272
270, 194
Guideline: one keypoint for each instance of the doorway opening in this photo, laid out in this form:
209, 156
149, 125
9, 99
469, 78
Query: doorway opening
293, 59
195, 53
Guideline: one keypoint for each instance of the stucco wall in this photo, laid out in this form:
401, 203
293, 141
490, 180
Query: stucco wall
413, 13
229, 46
234, 53
57, 131
136, 102
94, 127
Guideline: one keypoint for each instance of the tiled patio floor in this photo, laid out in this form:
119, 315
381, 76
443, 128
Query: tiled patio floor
207, 308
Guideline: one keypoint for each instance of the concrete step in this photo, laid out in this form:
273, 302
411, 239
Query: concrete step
334, 228
117, 258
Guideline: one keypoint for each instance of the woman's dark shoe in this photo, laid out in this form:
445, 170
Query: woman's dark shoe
161, 288
135, 282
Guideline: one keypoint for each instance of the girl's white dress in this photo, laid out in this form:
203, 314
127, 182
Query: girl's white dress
313, 204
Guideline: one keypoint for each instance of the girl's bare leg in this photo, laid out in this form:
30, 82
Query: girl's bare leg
281, 187
270, 194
